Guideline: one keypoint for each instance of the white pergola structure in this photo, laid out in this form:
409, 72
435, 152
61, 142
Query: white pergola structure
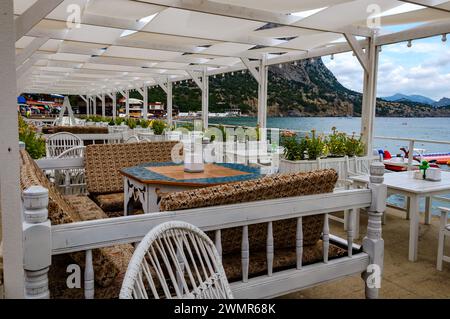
95, 48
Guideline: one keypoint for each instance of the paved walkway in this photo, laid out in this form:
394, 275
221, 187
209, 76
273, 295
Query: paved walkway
402, 279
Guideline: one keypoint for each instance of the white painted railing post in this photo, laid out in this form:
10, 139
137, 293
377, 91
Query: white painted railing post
37, 242
373, 243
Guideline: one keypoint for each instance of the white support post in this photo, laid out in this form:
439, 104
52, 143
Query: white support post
114, 101
262, 93
37, 242
169, 103
10, 202
127, 103
205, 98
88, 105
368, 107
94, 105
103, 104
145, 105
373, 243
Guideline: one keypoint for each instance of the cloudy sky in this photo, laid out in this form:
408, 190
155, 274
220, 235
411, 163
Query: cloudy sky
422, 69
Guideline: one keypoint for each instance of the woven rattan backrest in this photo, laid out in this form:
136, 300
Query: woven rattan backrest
104, 162
269, 187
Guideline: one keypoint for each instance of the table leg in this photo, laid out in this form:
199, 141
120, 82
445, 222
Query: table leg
428, 210
150, 204
413, 227
408, 207
126, 197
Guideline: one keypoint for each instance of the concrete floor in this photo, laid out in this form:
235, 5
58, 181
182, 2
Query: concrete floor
401, 278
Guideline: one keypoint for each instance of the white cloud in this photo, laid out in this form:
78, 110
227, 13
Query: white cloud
401, 70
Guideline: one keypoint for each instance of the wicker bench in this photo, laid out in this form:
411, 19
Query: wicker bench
110, 263
284, 231
103, 163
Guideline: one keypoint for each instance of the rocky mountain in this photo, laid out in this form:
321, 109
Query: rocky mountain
445, 101
409, 98
305, 89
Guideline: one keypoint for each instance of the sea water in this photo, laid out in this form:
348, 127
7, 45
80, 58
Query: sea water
418, 128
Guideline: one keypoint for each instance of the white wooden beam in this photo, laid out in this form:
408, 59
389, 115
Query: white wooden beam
253, 14
33, 15
10, 195
83, 98
256, 74
359, 52
196, 78
141, 91
162, 85
22, 69
420, 32
28, 51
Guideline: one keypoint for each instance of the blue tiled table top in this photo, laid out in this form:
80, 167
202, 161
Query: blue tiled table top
142, 174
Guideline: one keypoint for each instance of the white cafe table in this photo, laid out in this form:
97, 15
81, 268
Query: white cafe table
403, 183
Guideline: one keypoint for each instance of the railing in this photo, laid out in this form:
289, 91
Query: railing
41, 240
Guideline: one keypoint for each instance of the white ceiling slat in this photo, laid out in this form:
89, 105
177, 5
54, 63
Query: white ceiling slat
35, 13
253, 14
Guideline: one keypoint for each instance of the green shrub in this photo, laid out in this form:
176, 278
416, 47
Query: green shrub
144, 123
118, 120
336, 143
34, 142
315, 146
158, 126
354, 146
131, 123
294, 150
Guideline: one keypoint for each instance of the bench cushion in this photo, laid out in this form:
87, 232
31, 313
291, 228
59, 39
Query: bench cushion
110, 202
104, 162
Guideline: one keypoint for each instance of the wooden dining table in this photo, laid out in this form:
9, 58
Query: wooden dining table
142, 182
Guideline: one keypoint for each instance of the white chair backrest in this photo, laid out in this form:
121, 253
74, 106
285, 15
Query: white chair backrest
61, 142
132, 139
175, 260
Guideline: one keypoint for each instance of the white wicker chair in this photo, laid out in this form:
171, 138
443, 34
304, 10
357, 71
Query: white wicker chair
61, 142
175, 260
444, 230
71, 181
132, 139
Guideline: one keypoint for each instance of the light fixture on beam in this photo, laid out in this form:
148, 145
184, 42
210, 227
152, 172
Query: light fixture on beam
444, 37
280, 65
295, 63
332, 57
409, 44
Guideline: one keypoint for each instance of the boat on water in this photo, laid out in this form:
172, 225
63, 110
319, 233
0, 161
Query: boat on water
400, 163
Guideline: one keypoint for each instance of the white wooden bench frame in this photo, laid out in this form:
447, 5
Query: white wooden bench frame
41, 240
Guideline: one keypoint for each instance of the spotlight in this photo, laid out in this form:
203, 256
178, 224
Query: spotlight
444, 37
280, 65
295, 63
332, 57
409, 44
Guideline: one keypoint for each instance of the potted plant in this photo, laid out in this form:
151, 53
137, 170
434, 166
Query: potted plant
314, 151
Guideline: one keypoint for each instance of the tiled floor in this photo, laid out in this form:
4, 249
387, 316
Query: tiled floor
402, 278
